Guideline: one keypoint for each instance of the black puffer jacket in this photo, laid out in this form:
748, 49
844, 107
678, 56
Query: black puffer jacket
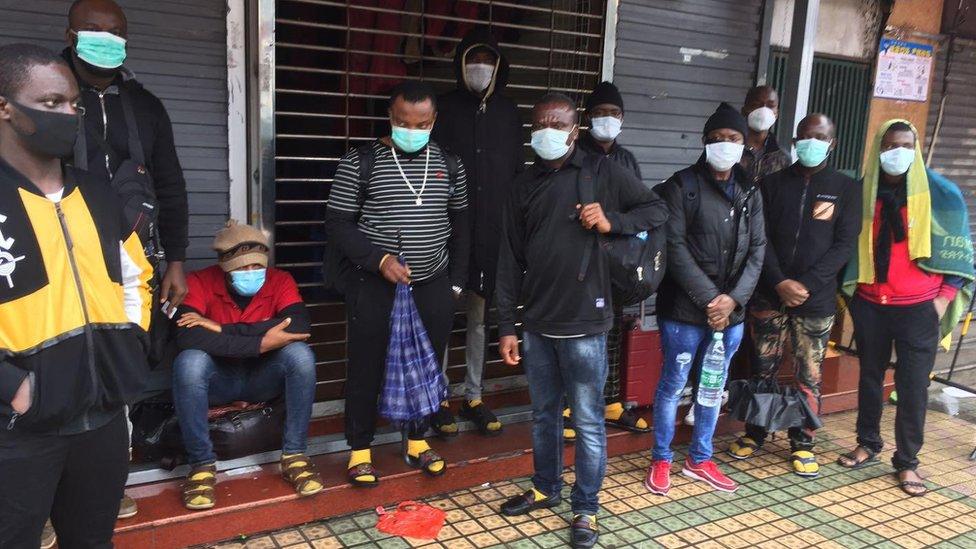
715, 246
487, 134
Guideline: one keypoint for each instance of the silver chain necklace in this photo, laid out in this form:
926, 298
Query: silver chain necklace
423, 185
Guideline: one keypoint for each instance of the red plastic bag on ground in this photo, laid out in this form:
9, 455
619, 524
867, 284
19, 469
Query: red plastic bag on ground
412, 520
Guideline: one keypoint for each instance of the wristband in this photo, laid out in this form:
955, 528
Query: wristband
382, 261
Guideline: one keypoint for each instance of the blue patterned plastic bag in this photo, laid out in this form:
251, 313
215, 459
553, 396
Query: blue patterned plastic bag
414, 387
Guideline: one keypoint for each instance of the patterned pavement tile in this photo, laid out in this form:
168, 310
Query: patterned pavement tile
840, 509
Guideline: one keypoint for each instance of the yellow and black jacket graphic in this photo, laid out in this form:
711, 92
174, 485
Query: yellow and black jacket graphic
74, 303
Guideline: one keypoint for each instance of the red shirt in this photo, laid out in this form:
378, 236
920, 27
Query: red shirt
208, 294
907, 284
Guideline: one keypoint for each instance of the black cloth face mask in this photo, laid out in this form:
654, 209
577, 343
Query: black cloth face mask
54, 132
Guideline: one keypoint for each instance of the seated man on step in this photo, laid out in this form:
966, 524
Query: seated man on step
242, 329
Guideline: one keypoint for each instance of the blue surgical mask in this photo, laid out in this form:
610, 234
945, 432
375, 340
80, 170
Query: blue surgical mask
247, 283
550, 143
100, 49
409, 140
897, 161
812, 152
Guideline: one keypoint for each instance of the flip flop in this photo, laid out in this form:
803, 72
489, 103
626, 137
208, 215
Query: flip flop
852, 456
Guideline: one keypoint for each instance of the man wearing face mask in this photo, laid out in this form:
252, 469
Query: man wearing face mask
74, 307
481, 125
716, 242
242, 331
398, 213
911, 281
812, 214
762, 155
97, 48
605, 115
566, 312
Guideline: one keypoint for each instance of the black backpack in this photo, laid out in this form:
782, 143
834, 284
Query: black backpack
637, 262
335, 265
131, 181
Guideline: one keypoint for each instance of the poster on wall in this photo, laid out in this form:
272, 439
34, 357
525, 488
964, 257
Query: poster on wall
903, 70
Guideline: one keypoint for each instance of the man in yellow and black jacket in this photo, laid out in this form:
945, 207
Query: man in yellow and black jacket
74, 310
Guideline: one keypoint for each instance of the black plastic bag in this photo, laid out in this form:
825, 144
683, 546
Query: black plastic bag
767, 404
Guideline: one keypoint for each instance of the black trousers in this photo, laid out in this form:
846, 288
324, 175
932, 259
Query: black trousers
77, 480
914, 330
369, 302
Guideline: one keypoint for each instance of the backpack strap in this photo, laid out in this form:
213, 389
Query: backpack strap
586, 189
366, 160
452, 162
691, 190
136, 153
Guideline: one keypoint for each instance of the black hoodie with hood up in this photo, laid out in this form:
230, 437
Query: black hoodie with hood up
484, 129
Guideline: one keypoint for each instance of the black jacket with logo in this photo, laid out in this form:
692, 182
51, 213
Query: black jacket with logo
715, 245
486, 133
812, 225
103, 117
543, 241
74, 304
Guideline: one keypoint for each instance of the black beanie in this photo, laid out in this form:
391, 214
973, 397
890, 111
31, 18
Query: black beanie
605, 92
726, 116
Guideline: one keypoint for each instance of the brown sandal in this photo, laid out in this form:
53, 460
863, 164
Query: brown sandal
910, 487
355, 474
198, 490
300, 473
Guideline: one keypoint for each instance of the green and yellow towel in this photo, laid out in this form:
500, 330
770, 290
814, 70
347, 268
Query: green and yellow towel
938, 230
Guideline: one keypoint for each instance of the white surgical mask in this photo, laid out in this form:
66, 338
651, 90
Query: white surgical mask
550, 143
761, 119
723, 155
605, 128
478, 76
897, 161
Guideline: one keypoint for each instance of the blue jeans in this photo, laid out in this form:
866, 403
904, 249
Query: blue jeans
200, 381
678, 338
577, 368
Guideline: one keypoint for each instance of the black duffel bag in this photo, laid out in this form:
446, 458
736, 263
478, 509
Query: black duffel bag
236, 430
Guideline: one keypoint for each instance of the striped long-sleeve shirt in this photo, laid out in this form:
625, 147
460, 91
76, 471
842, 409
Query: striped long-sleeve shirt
418, 223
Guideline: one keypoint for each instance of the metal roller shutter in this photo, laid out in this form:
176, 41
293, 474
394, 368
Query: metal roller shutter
335, 64
179, 52
952, 118
675, 61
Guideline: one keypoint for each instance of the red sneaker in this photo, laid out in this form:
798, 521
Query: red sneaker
658, 479
708, 472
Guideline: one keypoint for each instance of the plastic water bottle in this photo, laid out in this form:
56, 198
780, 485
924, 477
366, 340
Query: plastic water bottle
712, 379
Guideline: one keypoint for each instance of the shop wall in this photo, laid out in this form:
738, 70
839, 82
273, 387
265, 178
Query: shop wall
178, 51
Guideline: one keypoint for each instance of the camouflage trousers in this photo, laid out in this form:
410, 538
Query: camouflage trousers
808, 337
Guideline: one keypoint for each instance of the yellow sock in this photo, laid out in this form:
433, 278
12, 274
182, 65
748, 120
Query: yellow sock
310, 486
539, 496
613, 411
357, 457
417, 447
493, 425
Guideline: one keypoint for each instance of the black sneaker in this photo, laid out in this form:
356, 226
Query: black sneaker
482, 417
584, 533
443, 423
526, 503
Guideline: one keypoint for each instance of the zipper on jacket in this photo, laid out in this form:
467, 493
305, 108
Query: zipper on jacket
101, 100
89, 337
799, 224
14, 416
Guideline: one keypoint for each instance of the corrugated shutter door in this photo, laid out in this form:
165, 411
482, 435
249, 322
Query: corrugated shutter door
178, 51
336, 63
676, 60
955, 136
